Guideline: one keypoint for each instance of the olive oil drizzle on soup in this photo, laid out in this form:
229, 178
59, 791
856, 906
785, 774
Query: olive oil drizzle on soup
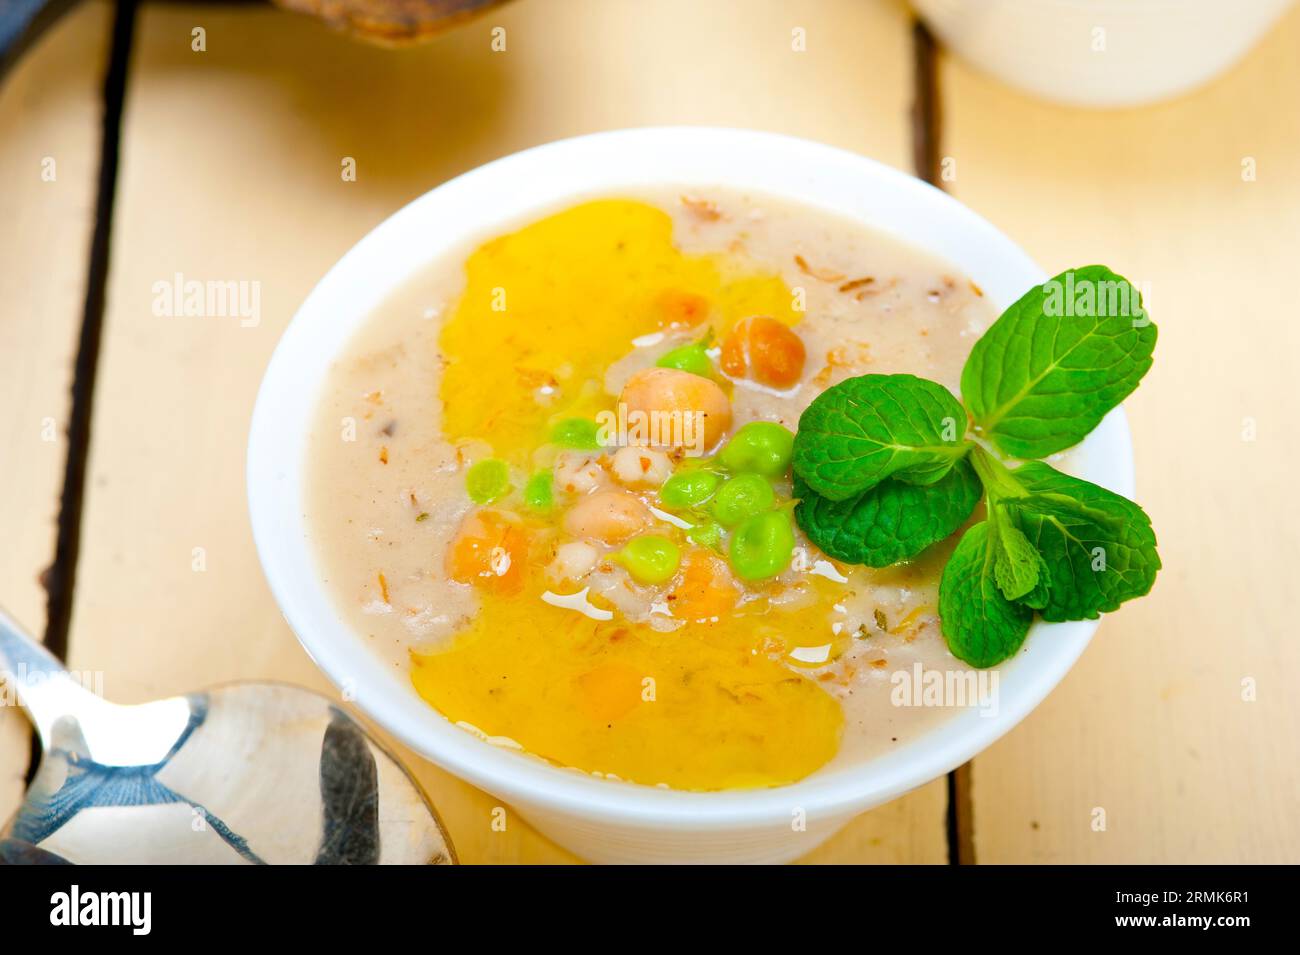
554, 595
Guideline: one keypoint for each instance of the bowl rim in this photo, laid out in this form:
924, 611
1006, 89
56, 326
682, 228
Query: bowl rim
500, 194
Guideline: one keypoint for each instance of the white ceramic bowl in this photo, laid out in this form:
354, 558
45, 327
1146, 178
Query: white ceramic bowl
1102, 53
598, 819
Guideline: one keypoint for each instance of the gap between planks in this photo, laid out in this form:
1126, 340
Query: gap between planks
60, 577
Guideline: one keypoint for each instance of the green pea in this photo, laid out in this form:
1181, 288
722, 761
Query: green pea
762, 545
693, 358
577, 433
743, 495
487, 480
689, 488
538, 491
708, 535
650, 559
760, 447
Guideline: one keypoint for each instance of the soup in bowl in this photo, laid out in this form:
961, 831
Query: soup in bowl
520, 477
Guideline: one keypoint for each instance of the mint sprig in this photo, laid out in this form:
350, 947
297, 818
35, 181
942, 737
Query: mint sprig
887, 465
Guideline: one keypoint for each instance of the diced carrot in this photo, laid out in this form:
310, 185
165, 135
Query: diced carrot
490, 549
681, 308
764, 350
707, 588
610, 691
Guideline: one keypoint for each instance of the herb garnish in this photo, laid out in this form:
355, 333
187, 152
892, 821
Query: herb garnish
887, 465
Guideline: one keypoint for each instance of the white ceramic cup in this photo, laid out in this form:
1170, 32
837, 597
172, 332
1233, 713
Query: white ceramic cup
1102, 53
597, 819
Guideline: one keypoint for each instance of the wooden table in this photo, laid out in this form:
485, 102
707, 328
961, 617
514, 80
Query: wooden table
230, 169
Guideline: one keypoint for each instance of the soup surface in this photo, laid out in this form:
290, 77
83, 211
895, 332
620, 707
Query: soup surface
492, 516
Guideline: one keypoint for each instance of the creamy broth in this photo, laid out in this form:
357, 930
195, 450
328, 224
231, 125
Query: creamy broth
420, 395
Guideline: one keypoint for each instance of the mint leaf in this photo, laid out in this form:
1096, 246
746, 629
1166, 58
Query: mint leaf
890, 522
981, 625
1038, 596
1017, 566
1098, 547
865, 429
1056, 361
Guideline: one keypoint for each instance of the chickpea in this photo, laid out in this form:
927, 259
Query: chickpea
667, 396
611, 516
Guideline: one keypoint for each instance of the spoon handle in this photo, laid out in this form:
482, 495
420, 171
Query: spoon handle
35, 677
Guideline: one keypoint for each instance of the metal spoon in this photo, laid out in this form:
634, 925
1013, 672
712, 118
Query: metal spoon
249, 772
